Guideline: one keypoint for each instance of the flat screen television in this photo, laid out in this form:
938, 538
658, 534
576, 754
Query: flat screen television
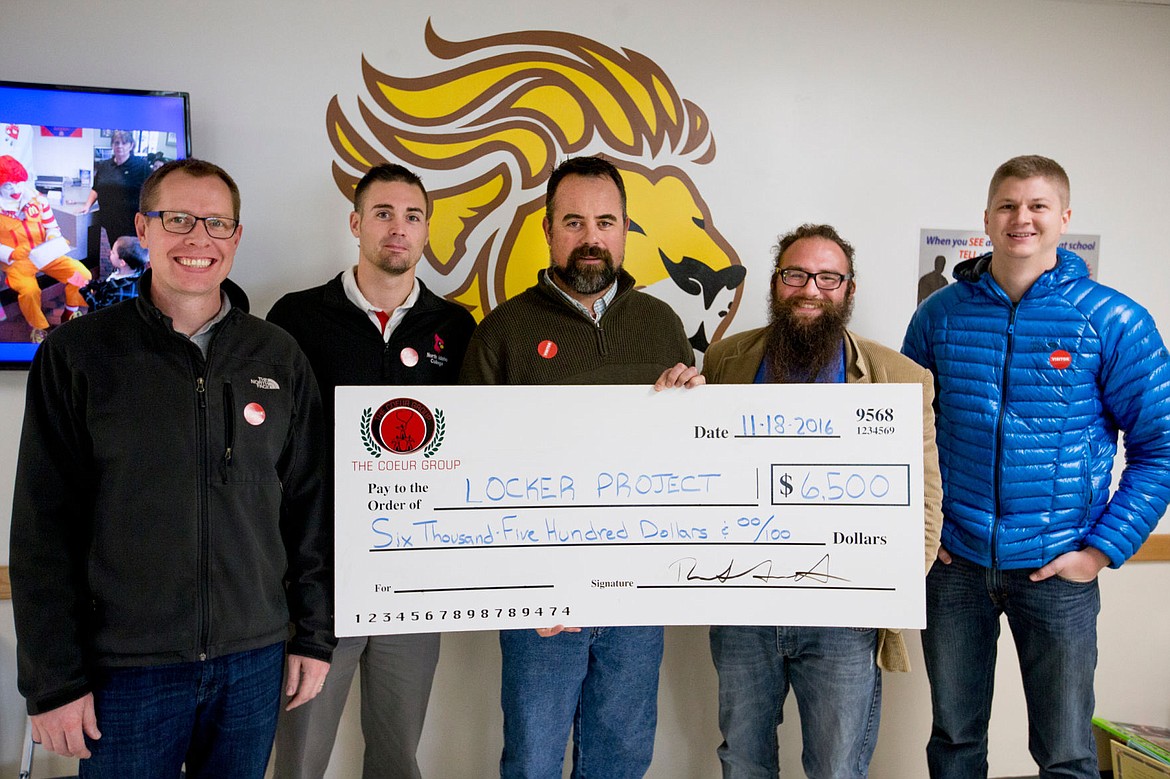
64, 138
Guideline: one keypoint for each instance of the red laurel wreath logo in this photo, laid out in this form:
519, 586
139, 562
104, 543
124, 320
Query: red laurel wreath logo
402, 426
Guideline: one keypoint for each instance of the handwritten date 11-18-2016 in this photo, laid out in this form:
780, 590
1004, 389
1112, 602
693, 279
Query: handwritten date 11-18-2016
796, 425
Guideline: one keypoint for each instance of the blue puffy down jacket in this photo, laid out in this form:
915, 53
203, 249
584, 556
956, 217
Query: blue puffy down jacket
1029, 400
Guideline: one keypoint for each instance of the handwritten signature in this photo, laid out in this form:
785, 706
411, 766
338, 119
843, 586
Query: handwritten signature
761, 571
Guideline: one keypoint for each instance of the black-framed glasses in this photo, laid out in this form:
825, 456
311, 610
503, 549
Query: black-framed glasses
826, 280
181, 223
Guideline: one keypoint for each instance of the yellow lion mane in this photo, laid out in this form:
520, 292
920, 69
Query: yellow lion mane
491, 127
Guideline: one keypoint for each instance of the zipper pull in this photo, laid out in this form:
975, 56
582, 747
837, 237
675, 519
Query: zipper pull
201, 391
224, 464
229, 430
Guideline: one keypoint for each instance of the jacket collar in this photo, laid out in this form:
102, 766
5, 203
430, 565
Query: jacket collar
334, 295
148, 310
1069, 267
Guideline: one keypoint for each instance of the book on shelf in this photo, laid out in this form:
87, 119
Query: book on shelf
1152, 740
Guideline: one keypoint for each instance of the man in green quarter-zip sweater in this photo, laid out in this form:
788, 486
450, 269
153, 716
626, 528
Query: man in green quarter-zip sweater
581, 323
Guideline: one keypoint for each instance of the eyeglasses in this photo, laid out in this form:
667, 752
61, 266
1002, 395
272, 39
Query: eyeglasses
826, 280
181, 223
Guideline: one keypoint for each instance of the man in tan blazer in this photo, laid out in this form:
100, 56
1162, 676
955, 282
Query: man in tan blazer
834, 672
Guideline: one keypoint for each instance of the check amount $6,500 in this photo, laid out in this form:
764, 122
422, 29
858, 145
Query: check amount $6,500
885, 484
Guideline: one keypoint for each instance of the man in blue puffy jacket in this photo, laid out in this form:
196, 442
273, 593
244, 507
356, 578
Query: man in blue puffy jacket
1037, 368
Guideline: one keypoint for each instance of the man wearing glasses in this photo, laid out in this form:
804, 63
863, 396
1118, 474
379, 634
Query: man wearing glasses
835, 672
167, 520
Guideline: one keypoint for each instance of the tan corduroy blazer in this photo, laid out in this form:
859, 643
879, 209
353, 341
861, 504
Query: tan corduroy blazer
736, 359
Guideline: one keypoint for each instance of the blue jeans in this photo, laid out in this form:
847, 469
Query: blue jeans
1054, 625
602, 681
218, 716
833, 673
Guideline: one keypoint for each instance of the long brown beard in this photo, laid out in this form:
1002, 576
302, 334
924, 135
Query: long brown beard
800, 351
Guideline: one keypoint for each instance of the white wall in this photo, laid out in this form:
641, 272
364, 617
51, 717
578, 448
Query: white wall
880, 118
64, 156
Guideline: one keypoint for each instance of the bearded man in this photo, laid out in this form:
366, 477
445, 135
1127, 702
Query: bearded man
835, 672
583, 322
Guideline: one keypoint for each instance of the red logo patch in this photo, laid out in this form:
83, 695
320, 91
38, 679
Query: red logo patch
402, 425
1060, 359
547, 349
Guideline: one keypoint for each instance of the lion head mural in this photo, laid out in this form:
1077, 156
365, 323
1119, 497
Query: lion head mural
485, 133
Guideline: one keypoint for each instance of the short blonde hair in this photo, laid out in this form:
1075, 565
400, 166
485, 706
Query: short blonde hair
1030, 166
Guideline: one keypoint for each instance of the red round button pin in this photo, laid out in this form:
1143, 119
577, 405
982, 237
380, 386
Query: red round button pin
547, 349
254, 414
1060, 359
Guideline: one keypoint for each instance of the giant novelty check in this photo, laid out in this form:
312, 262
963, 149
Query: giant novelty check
471, 508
